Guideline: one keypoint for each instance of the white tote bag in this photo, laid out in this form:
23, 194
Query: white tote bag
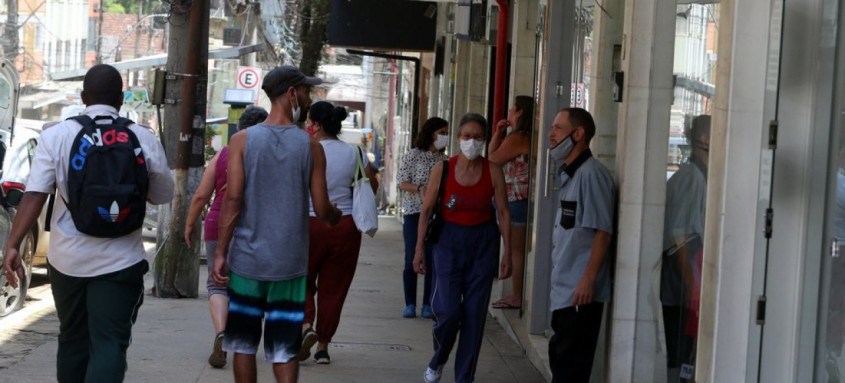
364, 211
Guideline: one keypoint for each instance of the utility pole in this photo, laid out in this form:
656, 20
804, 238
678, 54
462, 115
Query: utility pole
100, 10
138, 30
176, 265
251, 18
10, 46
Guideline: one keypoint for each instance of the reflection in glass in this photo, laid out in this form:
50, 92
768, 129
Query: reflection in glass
5, 93
696, 33
830, 360
836, 294
582, 47
683, 233
696, 44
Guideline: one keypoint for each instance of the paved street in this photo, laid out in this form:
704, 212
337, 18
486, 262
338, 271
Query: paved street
172, 338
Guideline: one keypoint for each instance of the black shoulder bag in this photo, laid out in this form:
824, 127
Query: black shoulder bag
435, 222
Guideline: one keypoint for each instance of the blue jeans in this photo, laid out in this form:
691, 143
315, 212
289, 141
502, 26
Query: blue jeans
409, 277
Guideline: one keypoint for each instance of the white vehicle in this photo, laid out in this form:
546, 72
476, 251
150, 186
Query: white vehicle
11, 191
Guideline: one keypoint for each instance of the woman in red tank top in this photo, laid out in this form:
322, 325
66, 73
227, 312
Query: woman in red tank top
466, 255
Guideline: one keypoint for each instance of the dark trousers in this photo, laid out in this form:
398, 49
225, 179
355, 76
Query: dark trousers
573, 345
332, 260
465, 260
409, 277
679, 345
96, 315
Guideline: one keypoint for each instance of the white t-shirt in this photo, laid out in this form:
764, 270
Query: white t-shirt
72, 252
341, 163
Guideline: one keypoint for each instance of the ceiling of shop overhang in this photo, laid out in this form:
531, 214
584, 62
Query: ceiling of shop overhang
383, 25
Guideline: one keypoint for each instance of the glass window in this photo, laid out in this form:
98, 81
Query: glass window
5, 93
830, 343
696, 31
582, 54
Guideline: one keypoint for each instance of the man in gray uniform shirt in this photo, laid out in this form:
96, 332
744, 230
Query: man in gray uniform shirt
683, 235
581, 238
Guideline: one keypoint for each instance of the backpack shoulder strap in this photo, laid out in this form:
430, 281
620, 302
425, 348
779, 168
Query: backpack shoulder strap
86, 122
442, 187
124, 122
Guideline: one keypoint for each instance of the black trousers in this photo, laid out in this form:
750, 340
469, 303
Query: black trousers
679, 346
96, 315
573, 345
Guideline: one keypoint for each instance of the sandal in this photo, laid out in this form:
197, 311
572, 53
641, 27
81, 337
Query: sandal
309, 337
322, 357
503, 304
217, 359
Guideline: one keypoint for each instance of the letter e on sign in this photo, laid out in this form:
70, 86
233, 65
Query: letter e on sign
249, 78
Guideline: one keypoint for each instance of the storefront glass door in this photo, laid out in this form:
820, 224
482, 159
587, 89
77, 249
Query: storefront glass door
830, 341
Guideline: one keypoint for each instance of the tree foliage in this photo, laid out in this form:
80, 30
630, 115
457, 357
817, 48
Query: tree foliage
114, 6
313, 28
131, 6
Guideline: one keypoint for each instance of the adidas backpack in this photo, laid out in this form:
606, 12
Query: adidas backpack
107, 178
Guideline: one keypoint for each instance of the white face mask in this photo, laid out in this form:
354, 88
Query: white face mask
472, 148
295, 110
562, 150
441, 141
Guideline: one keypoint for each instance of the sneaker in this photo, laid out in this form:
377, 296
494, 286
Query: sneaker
426, 312
433, 376
410, 311
322, 357
309, 337
217, 359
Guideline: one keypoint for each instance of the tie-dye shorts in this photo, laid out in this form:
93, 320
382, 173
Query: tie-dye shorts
280, 304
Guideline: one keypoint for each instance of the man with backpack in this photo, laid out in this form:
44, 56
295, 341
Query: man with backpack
103, 169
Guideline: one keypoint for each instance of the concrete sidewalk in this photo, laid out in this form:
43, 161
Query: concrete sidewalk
172, 338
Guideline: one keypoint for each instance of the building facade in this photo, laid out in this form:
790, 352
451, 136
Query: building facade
771, 76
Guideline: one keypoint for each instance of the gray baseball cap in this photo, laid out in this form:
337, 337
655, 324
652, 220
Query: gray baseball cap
278, 80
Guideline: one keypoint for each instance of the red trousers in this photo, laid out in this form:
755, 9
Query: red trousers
332, 259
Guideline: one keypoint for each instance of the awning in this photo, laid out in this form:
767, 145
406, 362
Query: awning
160, 60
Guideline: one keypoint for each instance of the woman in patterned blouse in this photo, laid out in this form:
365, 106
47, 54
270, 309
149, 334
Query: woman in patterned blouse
412, 178
512, 151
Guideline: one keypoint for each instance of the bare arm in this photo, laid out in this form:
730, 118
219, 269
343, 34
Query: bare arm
27, 212
499, 132
682, 257
232, 204
504, 216
598, 251
371, 174
511, 147
404, 176
201, 198
412, 188
323, 208
429, 200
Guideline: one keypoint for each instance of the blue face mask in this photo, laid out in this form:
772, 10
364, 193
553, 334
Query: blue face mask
562, 150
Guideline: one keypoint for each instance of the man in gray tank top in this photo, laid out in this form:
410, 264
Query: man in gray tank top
273, 167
